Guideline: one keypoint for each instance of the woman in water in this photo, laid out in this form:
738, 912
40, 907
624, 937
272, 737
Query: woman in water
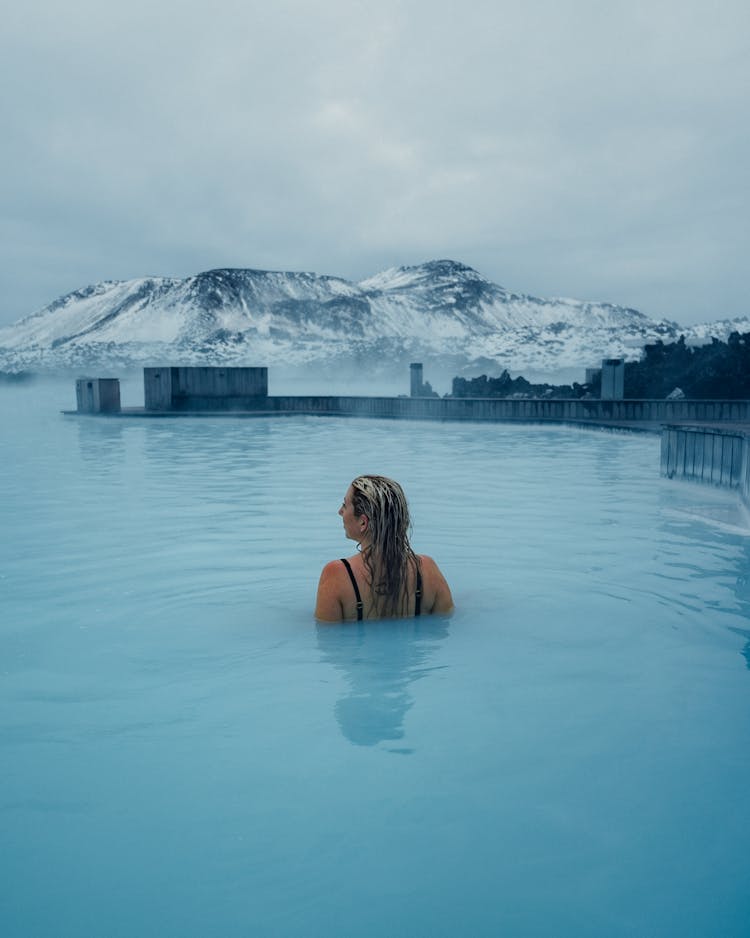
386, 579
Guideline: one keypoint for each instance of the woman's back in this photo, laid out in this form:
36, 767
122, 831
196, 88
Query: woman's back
386, 579
337, 596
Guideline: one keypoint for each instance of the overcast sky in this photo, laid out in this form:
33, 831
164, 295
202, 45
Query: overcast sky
597, 150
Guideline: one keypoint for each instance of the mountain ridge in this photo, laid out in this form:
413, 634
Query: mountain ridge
442, 311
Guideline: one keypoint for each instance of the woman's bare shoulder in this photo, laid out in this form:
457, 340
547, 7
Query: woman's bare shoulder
332, 568
335, 569
436, 582
427, 563
328, 604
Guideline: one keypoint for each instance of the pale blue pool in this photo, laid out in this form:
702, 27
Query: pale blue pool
184, 753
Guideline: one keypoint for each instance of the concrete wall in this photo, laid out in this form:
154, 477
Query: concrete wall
98, 395
704, 454
415, 374
709, 455
219, 382
210, 388
482, 408
204, 388
613, 379
157, 388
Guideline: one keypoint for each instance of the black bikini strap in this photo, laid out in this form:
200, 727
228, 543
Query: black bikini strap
356, 588
418, 600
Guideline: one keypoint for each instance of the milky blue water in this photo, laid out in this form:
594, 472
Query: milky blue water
183, 752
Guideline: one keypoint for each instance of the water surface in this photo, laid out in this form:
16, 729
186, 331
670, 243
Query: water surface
185, 752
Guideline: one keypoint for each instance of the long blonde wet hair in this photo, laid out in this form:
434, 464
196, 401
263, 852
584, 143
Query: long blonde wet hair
389, 555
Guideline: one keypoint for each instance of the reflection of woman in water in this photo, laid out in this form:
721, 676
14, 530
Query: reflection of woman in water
386, 578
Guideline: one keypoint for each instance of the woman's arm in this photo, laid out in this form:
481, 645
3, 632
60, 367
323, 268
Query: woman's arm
328, 606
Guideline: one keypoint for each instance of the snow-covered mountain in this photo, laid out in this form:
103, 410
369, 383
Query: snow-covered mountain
441, 312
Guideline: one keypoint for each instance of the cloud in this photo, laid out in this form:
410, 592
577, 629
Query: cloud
582, 149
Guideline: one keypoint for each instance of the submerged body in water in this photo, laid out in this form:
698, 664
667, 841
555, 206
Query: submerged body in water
386, 579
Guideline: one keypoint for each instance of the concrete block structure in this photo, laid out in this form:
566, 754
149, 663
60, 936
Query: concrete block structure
98, 395
204, 388
415, 370
613, 379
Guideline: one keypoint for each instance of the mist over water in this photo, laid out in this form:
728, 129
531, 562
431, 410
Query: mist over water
185, 752
323, 380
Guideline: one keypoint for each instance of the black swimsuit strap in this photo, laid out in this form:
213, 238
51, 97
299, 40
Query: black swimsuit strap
356, 588
360, 607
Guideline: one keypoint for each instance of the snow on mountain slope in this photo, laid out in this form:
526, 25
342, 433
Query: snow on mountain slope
440, 311
109, 307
